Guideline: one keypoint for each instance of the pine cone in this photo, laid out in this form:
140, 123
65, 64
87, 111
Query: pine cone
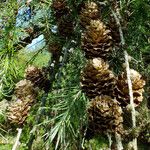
105, 114
54, 48
122, 91
96, 41
97, 79
66, 26
114, 28
89, 11
60, 8
24, 89
18, 112
37, 77
26, 95
63, 18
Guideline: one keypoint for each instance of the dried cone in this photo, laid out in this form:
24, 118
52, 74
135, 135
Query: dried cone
62, 15
18, 112
24, 90
89, 11
96, 41
60, 8
105, 114
97, 79
26, 95
55, 48
37, 77
122, 92
114, 28
66, 26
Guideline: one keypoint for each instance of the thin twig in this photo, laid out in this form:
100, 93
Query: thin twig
17, 139
119, 141
109, 136
120, 28
133, 113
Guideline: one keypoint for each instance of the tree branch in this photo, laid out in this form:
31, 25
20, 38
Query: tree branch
133, 112
17, 139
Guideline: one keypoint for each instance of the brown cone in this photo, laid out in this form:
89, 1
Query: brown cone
96, 40
89, 11
37, 77
63, 18
26, 95
18, 112
55, 48
122, 92
60, 8
105, 115
25, 89
65, 26
97, 79
112, 25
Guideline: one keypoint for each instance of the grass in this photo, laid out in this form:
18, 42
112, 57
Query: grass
39, 58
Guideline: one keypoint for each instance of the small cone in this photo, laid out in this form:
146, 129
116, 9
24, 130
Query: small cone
122, 92
55, 48
113, 27
97, 79
18, 112
89, 11
63, 18
37, 77
66, 26
96, 40
60, 8
25, 89
105, 115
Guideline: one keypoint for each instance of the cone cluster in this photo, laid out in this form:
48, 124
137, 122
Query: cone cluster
108, 94
97, 80
25, 95
98, 83
122, 91
37, 76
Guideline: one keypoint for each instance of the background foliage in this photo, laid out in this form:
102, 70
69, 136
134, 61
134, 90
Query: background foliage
63, 117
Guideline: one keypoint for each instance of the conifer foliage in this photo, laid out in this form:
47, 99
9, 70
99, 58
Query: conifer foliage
83, 92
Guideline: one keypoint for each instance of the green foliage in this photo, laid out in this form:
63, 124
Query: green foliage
97, 143
69, 109
62, 124
138, 27
8, 62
